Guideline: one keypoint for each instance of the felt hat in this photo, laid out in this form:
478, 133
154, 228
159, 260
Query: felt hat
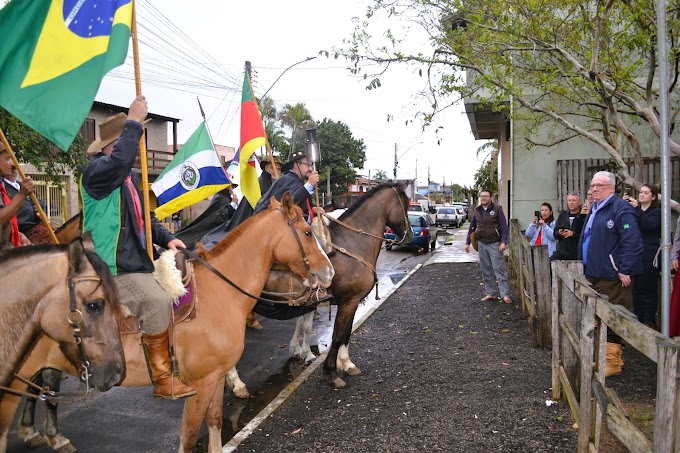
109, 131
265, 160
294, 157
2, 147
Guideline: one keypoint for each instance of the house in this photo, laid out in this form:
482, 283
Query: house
362, 185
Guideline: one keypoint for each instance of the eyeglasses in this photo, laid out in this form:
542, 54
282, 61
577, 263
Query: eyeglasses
599, 186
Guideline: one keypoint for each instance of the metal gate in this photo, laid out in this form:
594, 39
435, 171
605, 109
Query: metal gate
53, 198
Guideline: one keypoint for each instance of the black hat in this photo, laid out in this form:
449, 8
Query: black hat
265, 160
297, 155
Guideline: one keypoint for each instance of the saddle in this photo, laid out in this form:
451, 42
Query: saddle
174, 273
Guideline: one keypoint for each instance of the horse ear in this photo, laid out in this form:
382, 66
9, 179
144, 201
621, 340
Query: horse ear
88, 243
76, 252
287, 203
273, 203
401, 186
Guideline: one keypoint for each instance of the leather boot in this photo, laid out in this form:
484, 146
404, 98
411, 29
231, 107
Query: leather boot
166, 385
614, 361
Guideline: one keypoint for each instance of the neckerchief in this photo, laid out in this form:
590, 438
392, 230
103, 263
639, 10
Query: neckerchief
137, 204
15, 237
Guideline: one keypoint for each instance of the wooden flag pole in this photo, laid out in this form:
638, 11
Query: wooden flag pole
231, 190
270, 153
41, 213
142, 142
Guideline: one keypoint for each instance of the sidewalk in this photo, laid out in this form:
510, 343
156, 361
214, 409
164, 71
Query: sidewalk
442, 371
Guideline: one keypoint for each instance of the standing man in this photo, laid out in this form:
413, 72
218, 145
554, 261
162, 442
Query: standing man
491, 227
611, 250
113, 213
568, 229
266, 179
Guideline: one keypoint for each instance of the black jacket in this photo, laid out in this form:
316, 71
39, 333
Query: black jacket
27, 215
649, 222
288, 182
568, 247
101, 176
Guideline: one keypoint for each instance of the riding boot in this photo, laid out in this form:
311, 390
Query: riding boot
614, 361
166, 384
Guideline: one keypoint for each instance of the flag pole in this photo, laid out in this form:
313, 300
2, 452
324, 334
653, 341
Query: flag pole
270, 153
231, 190
39, 208
142, 141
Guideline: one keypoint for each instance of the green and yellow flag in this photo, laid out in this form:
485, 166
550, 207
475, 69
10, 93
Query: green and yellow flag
53, 56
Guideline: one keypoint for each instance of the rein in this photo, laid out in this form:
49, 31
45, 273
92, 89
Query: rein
75, 318
214, 270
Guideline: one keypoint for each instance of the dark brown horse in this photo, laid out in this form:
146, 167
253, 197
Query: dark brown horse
65, 292
279, 235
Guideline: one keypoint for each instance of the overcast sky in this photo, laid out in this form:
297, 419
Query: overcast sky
273, 35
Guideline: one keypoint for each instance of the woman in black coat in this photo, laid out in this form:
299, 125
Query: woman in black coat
646, 285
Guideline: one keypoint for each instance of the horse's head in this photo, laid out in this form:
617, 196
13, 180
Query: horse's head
93, 314
397, 219
298, 248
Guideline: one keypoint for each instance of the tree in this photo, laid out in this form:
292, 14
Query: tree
297, 118
588, 68
380, 174
31, 147
486, 177
340, 151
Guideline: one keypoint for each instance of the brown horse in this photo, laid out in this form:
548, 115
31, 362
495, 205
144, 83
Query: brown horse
67, 293
357, 236
245, 257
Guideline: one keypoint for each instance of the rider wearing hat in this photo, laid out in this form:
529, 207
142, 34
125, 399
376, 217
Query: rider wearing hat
299, 178
267, 178
113, 213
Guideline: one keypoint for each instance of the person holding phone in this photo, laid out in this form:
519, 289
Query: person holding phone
646, 285
541, 230
568, 229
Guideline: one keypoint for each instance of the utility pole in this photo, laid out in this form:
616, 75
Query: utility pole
395, 162
328, 186
416, 188
428, 183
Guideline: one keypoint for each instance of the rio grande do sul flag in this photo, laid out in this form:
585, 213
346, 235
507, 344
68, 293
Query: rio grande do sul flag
53, 56
252, 138
193, 175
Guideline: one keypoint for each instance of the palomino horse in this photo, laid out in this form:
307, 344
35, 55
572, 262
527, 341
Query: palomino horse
357, 235
67, 292
279, 235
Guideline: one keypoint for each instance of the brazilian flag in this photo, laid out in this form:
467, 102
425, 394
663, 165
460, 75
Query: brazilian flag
53, 56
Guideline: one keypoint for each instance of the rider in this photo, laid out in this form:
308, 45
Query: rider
10, 236
267, 178
112, 212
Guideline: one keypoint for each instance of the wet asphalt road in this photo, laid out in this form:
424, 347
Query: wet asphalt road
129, 419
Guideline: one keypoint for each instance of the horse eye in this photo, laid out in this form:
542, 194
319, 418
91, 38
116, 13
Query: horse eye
95, 306
308, 233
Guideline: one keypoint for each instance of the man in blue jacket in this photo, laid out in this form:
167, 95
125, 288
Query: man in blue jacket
113, 212
611, 249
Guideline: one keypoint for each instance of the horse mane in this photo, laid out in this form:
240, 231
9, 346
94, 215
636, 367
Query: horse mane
370, 194
8, 256
227, 240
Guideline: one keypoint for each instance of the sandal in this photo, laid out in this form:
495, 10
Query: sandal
488, 298
507, 300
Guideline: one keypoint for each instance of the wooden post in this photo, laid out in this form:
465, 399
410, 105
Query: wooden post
556, 338
600, 359
666, 390
586, 356
142, 141
543, 289
39, 208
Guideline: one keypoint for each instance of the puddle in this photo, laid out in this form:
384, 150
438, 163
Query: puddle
396, 278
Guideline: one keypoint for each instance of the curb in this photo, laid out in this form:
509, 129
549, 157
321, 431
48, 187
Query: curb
253, 424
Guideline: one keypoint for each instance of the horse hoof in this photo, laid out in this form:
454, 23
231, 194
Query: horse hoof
241, 392
337, 383
354, 371
33, 439
68, 448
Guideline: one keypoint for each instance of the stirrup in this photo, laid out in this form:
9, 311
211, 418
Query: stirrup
320, 295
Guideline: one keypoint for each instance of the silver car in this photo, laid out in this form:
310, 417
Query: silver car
449, 216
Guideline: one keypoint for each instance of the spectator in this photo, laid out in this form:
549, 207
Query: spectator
611, 250
10, 236
646, 285
491, 229
177, 220
589, 202
541, 230
674, 314
568, 228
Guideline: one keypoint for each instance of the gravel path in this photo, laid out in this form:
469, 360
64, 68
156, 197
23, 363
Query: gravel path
442, 371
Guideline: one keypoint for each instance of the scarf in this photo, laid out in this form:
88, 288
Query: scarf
137, 204
539, 238
15, 238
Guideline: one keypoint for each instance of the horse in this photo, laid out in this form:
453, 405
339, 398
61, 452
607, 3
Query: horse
65, 293
278, 235
357, 237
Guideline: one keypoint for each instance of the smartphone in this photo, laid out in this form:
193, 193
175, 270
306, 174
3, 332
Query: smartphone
626, 191
537, 214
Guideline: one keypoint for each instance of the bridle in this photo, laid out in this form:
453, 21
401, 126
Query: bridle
75, 318
214, 270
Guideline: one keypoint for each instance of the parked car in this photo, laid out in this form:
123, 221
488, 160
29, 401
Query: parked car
449, 216
464, 207
424, 232
415, 207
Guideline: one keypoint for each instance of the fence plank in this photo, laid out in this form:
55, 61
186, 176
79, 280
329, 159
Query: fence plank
626, 326
543, 290
569, 393
586, 356
556, 267
667, 368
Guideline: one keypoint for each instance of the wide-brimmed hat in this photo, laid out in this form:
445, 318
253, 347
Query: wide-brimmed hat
2, 147
109, 131
265, 160
297, 155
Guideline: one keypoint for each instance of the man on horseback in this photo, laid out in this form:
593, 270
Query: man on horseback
10, 236
113, 213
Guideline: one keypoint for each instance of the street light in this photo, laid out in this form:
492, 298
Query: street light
284, 71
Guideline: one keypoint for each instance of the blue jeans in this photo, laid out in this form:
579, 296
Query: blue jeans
494, 269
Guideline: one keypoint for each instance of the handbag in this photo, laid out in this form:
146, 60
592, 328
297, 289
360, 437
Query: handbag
473, 240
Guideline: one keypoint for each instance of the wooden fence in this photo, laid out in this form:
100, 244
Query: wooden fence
580, 319
530, 271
